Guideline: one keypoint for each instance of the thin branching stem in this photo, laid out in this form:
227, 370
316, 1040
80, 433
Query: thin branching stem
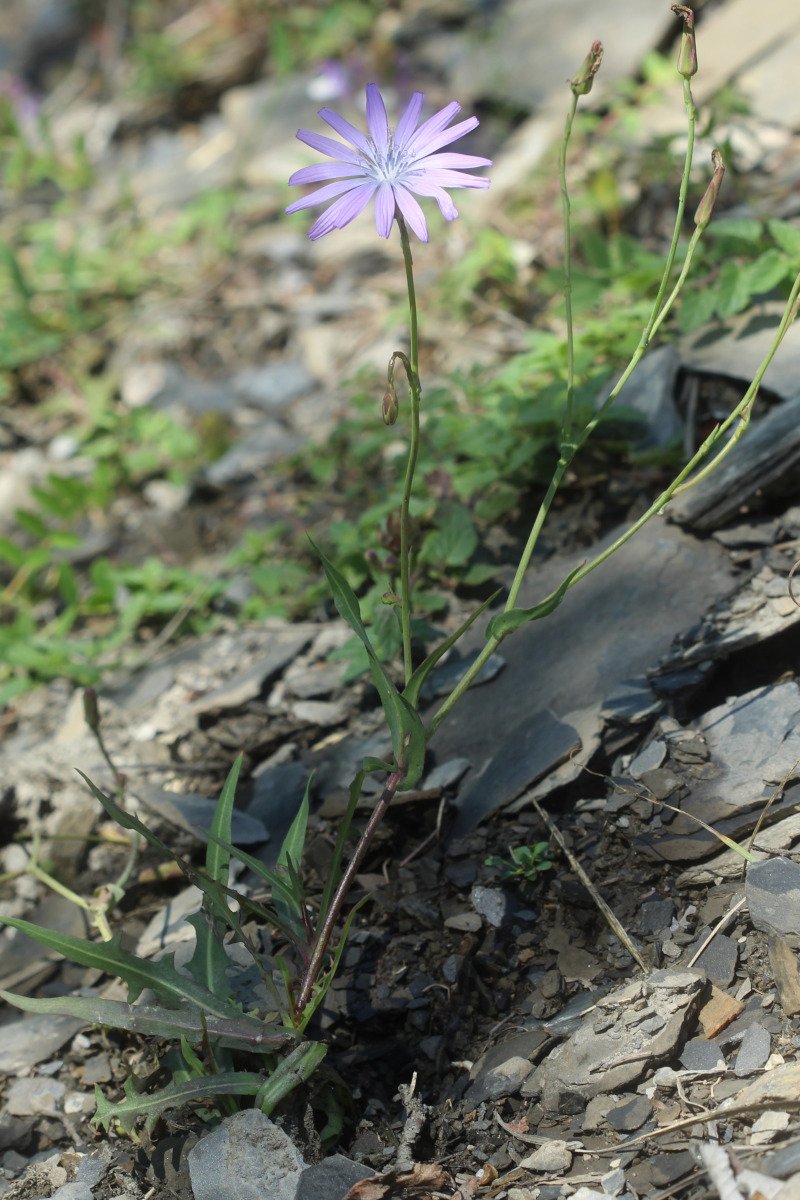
569, 447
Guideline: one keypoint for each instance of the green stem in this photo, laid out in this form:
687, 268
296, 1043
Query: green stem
413, 452
566, 431
658, 314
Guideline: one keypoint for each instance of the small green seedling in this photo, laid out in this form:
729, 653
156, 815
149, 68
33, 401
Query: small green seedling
526, 863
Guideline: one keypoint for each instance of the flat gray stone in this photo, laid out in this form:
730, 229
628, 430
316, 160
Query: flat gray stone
649, 759
772, 888
331, 1179
720, 959
630, 1115
550, 1158
34, 1094
245, 1153
273, 386
611, 628
701, 1055
268, 443
34, 1039
753, 1051
493, 904
617, 1044
505, 1079
73, 1191
195, 815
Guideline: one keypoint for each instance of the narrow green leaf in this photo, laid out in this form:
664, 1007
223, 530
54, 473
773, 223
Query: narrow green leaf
238, 1032
291, 1071
507, 622
209, 961
138, 973
218, 859
415, 683
135, 1106
295, 840
407, 731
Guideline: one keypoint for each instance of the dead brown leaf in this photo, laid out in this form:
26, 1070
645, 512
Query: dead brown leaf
416, 1184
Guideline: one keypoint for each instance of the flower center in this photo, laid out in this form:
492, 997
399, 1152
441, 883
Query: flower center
386, 166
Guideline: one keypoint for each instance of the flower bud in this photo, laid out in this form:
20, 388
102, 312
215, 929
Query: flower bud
687, 54
389, 406
706, 206
91, 714
582, 83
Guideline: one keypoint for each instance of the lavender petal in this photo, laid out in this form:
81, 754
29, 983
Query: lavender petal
346, 130
425, 187
451, 179
433, 125
408, 122
384, 209
321, 171
434, 141
412, 212
342, 211
323, 195
377, 121
326, 145
465, 161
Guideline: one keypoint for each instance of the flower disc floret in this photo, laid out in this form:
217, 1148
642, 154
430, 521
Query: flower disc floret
387, 166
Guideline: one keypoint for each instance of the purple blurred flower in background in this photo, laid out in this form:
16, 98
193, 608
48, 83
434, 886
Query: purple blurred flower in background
388, 166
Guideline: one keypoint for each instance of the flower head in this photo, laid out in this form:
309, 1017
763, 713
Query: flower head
388, 165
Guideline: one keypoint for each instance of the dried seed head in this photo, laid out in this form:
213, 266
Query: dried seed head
582, 83
705, 208
687, 54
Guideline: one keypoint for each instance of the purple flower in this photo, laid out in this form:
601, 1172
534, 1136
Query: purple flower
387, 165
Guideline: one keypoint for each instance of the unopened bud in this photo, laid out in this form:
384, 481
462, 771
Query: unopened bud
389, 406
582, 83
687, 54
91, 714
706, 206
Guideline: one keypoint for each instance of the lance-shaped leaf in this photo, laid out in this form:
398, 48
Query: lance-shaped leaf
414, 686
209, 960
291, 854
238, 1032
506, 622
406, 729
294, 1069
138, 973
150, 1106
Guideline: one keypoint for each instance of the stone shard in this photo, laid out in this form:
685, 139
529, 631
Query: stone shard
245, 1158
630, 1030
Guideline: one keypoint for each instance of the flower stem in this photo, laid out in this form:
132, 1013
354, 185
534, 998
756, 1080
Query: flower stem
570, 446
340, 895
566, 431
413, 452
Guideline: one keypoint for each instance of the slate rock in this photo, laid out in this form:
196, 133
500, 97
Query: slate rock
73, 1191
701, 1055
33, 1039
719, 959
617, 1044
195, 815
772, 888
506, 1079
540, 744
267, 444
786, 974
34, 1094
551, 1158
246, 1155
630, 1115
331, 1179
753, 1051
655, 914
648, 759
493, 904
273, 797
608, 629
273, 386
